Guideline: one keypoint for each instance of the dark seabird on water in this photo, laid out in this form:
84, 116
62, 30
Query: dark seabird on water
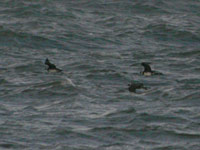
133, 86
51, 67
147, 70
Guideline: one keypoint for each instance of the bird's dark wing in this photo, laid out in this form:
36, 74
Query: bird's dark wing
147, 68
157, 73
52, 66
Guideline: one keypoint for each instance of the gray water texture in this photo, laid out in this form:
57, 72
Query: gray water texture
99, 45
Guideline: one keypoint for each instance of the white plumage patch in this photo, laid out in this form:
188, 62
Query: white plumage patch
53, 70
147, 73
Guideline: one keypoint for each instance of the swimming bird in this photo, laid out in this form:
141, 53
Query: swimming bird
147, 70
133, 86
51, 67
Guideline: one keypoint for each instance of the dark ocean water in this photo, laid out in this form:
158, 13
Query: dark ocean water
99, 45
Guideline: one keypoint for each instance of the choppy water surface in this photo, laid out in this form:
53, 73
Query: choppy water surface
100, 46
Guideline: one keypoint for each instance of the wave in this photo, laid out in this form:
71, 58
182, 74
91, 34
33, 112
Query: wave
12, 145
168, 32
12, 37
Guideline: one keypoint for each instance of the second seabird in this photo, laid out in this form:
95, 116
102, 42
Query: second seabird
51, 67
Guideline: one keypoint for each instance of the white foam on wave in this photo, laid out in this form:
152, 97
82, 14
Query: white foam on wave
68, 81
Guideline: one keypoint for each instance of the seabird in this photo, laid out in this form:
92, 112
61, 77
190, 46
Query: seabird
51, 67
133, 86
147, 70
